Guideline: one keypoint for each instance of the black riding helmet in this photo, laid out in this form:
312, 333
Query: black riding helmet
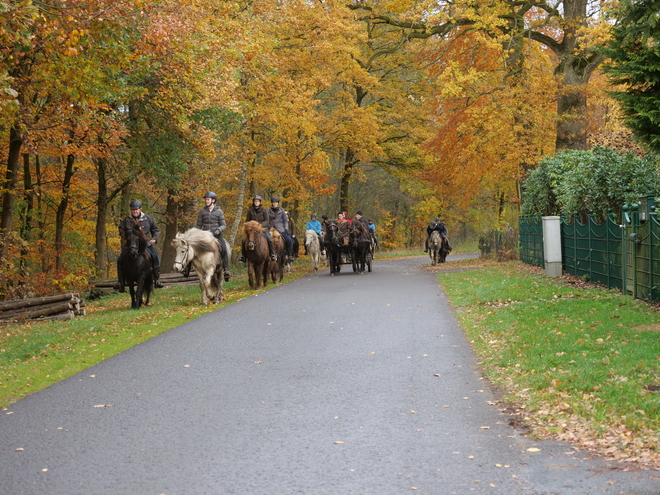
257, 197
135, 204
211, 195
274, 199
313, 215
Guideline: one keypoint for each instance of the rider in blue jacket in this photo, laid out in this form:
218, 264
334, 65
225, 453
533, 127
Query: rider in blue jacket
315, 225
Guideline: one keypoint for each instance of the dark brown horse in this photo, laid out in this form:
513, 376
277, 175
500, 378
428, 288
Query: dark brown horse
256, 248
135, 262
276, 268
445, 249
335, 245
361, 245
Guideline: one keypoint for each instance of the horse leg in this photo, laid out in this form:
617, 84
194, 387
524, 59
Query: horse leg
139, 291
218, 278
251, 275
131, 289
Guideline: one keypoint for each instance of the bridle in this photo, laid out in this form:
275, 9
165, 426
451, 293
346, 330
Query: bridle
253, 235
184, 260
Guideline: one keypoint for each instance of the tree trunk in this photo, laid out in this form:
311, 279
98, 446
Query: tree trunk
26, 224
61, 211
101, 216
11, 177
347, 173
240, 201
573, 124
172, 211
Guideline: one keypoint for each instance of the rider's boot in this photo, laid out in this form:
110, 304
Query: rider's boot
120, 281
157, 283
273, 256
186, 270
225, 260
426, 246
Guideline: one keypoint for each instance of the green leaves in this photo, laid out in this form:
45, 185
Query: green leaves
599, 180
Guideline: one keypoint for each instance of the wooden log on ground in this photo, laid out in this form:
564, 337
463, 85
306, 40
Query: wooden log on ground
36, 301
47, 310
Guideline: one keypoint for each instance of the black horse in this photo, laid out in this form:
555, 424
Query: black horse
135, 263
335, 245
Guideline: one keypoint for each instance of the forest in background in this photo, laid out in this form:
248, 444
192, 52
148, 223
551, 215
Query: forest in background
404, 110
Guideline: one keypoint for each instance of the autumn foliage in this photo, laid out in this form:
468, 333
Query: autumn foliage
329, 105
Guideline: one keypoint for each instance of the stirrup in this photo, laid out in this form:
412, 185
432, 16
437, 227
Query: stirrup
273, 257
158, 284
227, 276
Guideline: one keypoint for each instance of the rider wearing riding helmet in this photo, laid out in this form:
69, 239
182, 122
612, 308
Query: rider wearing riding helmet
258, 213
438, 226
149, 228
280, 221
315, 225
359, 217
212, 218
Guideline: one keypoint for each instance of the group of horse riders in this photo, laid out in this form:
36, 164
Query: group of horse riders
212, 218
342, 218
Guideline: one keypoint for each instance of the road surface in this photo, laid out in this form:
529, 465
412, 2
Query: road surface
353, 384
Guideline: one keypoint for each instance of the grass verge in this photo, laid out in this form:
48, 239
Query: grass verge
580, 363
34, 356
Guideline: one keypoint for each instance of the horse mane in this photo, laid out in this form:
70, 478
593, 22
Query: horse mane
136, 231
252, 225
202, 241
275, 235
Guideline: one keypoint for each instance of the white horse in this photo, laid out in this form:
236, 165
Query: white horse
313, 248
200, 247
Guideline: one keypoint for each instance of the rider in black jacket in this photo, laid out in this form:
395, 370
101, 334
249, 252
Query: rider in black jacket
150, 229
212, 218
439, 226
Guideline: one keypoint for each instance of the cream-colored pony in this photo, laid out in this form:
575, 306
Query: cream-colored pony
313, 248
200, 247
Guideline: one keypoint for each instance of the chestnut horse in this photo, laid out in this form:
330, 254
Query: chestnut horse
255, 246
276, 268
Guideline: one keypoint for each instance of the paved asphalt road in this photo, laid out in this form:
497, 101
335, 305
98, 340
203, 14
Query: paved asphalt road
353, 384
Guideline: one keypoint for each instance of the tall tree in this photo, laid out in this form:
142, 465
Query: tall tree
635, 67
566, 28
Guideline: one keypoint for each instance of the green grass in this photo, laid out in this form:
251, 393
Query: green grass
34, 356
584, 363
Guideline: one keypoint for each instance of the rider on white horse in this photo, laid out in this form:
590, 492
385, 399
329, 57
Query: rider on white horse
212, 218
315, 225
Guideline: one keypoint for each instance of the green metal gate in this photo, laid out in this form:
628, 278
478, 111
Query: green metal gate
593, 250
642, 250
531, 240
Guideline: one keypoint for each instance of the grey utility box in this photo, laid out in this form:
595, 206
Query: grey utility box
552, 246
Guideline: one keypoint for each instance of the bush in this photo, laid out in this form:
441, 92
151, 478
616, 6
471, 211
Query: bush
598, 180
